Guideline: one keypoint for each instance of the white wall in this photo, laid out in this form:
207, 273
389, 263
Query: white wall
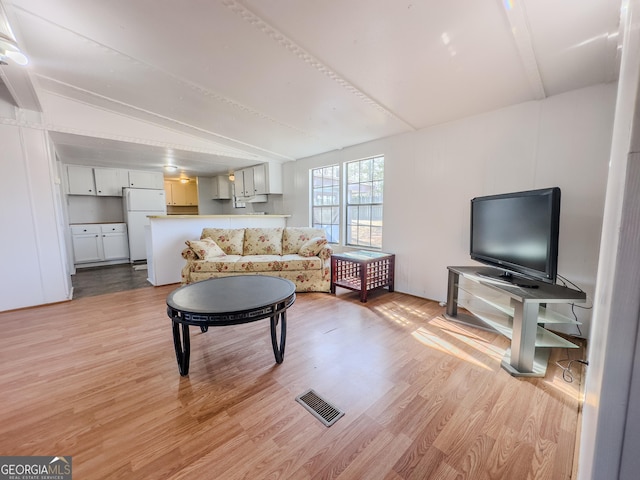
207, 206
32, 249
431, 175
610, 438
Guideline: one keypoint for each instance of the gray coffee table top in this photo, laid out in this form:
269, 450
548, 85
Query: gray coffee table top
228, 295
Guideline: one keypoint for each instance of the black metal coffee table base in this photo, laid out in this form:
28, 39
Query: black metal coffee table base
219, 294
182, 342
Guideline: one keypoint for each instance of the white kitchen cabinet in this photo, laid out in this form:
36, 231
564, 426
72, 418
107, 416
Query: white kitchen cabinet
80, 180
220, 188
244, 182
267, 178
87, 243
262, 179
115, 244
110, 181
143, 179
96, 243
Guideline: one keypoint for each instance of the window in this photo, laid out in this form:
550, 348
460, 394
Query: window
325, 201
365, 181
363, 186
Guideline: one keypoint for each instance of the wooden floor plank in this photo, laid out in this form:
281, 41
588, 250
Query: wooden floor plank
96, 378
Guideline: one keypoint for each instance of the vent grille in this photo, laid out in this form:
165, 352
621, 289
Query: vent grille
319, 408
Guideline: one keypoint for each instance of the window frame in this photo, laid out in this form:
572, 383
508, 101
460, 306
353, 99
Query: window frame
328, 210
373, 183
339, 216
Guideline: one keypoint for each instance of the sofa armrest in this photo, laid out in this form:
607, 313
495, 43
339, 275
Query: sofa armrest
326, 252
188, 254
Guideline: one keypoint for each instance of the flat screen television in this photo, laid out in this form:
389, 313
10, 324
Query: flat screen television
518, 233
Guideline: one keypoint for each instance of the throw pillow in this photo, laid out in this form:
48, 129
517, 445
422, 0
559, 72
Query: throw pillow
205, 249
294, 237
230, 240
312, 246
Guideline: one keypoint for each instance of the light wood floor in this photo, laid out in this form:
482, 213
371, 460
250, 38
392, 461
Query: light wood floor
97, 379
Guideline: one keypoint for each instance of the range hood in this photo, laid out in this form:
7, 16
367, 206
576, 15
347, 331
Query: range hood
253, 199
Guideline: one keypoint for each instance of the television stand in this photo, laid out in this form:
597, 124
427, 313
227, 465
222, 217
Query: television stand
513, 311
508, 279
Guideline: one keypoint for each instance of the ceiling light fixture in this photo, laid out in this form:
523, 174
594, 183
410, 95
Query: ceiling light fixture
18, 57
232, 177
8, 45
170, 168
184, 180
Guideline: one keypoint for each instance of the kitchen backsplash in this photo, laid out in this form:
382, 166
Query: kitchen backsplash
89, 209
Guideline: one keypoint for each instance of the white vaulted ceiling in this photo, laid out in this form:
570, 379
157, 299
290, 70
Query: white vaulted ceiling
239, 82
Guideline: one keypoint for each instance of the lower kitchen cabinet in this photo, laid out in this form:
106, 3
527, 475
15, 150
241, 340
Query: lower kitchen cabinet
96, 243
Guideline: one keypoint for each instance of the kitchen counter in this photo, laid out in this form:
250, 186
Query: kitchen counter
96, 223
192, 217
166, 234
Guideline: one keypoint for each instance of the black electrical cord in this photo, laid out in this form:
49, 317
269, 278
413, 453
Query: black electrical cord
567, 374
565, 280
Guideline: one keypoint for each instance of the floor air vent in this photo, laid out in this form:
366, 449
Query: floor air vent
319, 408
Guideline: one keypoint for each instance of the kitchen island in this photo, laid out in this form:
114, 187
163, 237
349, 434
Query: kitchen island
166, 234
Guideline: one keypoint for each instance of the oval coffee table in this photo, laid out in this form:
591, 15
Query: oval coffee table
229, 301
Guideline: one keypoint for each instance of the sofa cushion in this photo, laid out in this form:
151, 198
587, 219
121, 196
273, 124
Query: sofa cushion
294, 237
262, 241
205, 249
221, 264
296, 262
230, 240
259, 263
312, 247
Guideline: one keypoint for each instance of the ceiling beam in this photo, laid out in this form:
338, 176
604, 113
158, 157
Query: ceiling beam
517, 17
20, 86
15, 77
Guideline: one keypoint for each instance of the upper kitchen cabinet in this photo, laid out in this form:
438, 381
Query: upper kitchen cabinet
80, 180
110, 181
192, 193
220, 188
141, 179
267, 178
244, 186
180, 194
263, 179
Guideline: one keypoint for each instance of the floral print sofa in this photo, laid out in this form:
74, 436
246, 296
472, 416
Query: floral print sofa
299, 254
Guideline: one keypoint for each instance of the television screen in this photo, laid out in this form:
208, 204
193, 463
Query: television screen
518, 232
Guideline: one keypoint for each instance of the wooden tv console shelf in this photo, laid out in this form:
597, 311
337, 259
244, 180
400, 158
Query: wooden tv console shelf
518, 319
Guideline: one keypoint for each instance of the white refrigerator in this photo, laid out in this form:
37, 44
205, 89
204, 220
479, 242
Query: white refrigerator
139, 204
